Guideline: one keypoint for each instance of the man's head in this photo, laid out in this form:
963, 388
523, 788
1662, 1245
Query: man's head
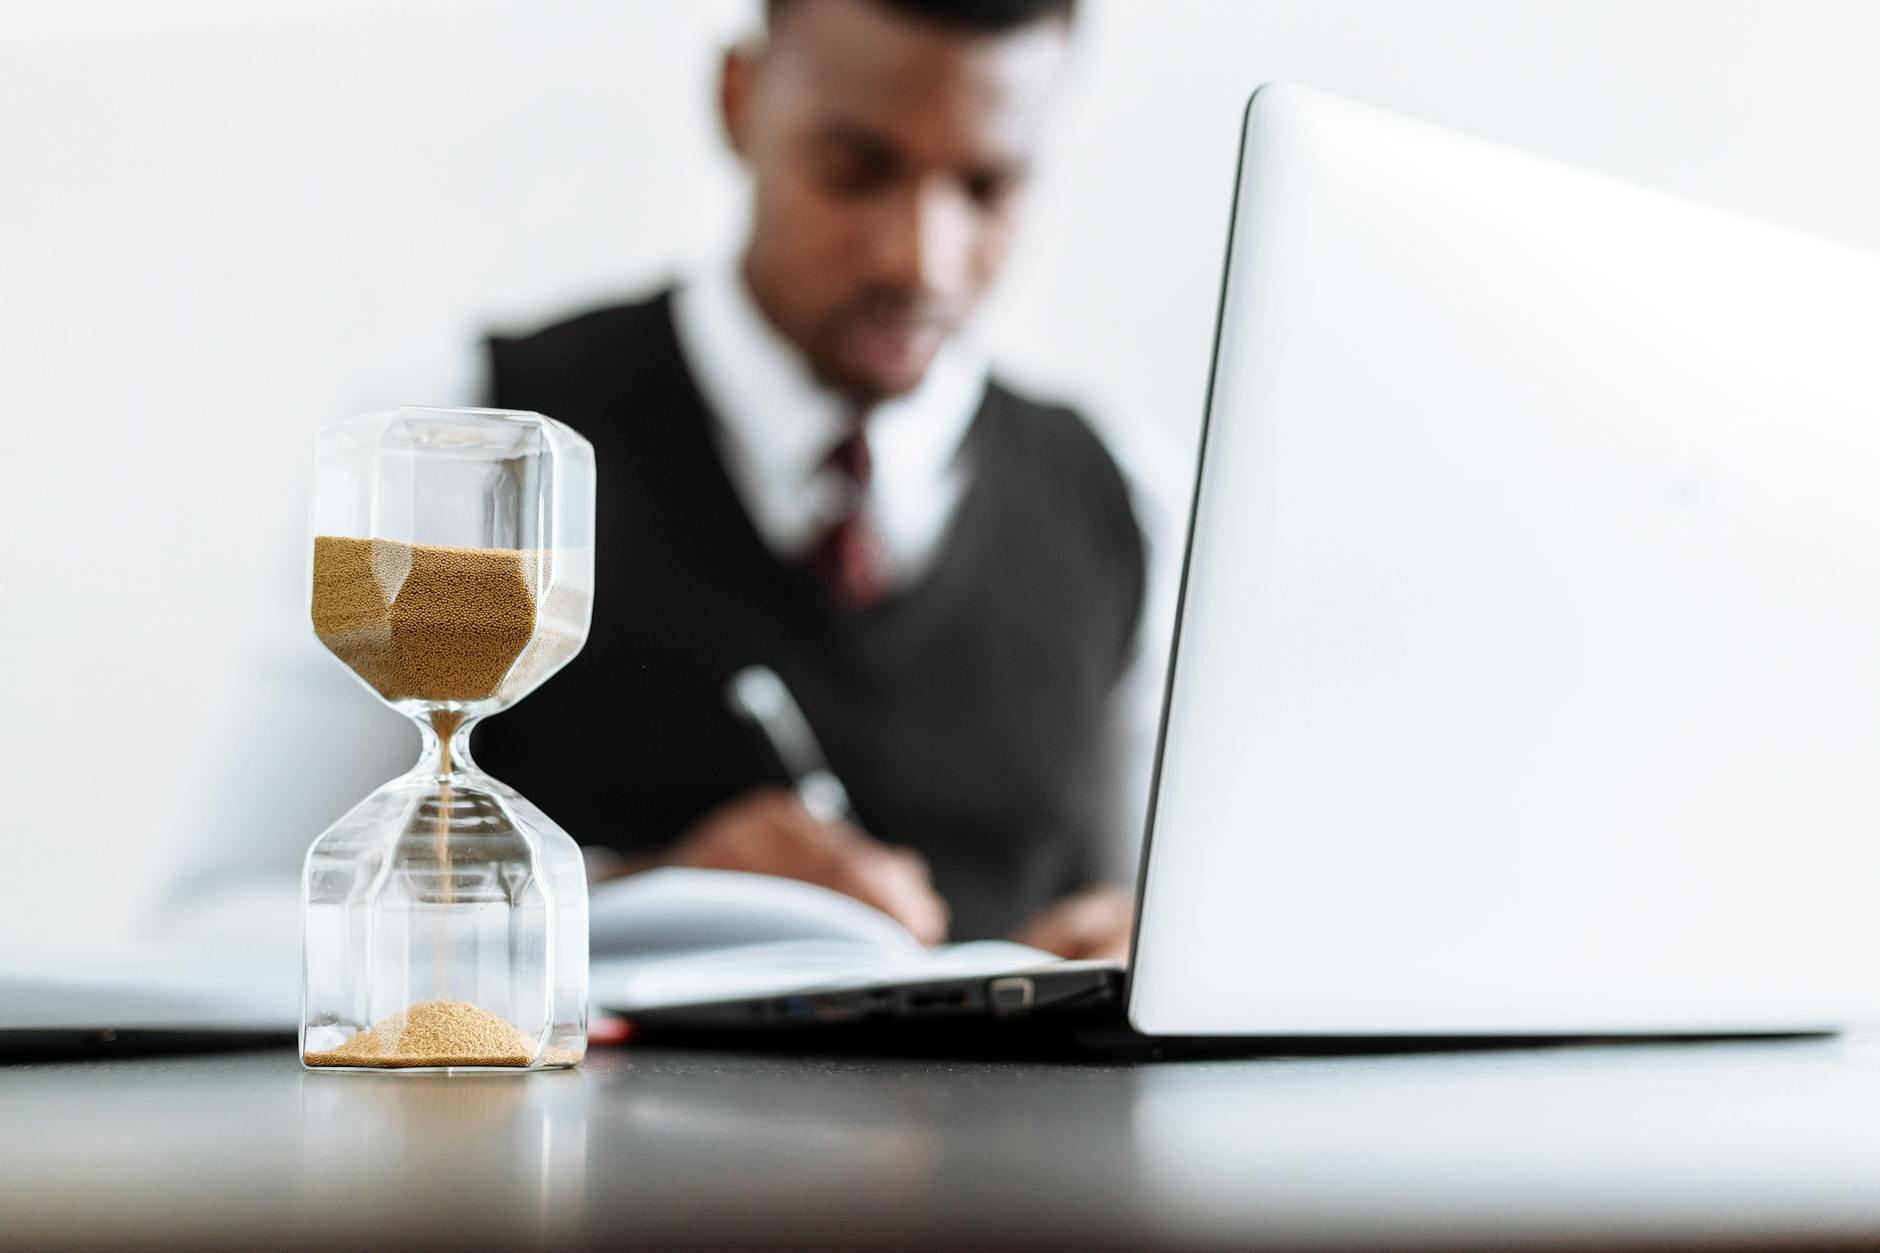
890, 144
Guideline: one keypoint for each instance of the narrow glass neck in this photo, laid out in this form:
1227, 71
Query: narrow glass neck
444, 748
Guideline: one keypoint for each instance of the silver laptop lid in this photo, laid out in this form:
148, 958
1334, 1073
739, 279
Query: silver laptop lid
1528, 670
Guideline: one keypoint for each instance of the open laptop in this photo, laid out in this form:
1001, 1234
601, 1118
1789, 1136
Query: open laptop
1526, 680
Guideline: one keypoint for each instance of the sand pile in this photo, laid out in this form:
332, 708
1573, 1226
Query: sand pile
437, 1033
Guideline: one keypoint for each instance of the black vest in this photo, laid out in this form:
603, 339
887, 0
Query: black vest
963, 712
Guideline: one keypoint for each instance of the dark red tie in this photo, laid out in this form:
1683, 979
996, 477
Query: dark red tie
848, 557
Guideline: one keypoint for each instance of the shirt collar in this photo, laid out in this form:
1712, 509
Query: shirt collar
776, 423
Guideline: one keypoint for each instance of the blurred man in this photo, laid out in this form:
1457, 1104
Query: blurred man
804, 464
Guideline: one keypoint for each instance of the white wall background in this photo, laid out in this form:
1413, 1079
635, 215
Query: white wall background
224, 222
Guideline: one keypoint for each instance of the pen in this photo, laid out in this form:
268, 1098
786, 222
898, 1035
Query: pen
759, 694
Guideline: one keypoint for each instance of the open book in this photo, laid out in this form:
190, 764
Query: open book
683, 937
666, 937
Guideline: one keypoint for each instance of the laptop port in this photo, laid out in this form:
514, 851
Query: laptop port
1011, 995
936, 1001
834, 1007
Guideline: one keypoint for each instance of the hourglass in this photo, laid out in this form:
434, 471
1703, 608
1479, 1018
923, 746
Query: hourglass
446, 916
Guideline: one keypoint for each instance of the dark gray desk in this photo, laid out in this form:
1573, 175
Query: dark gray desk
1741, 1142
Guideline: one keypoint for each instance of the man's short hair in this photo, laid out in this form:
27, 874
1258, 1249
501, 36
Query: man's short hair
988, 17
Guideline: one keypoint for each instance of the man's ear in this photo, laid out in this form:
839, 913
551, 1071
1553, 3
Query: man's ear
737, 74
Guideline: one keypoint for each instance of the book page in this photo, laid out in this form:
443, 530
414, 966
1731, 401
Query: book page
625, 984
678, 910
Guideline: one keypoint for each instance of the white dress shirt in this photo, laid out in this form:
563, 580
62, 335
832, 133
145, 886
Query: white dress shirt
775, 426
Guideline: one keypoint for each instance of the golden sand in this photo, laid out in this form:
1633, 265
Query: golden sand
440, 1033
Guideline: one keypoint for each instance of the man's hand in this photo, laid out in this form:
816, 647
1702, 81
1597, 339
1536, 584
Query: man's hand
769, 832
1092, 924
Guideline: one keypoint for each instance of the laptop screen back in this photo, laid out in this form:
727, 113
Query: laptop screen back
1528, 670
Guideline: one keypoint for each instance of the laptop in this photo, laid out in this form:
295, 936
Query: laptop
1526, 679
118, 999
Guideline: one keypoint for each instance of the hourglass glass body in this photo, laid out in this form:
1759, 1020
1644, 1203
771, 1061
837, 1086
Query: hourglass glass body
445, 915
